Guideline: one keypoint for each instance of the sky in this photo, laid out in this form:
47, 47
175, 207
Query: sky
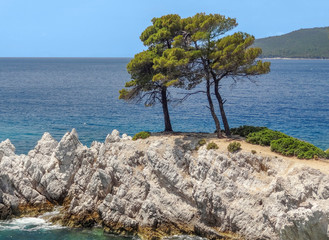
108, 28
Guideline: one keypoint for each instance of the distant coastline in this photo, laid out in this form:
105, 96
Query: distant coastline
311, 43
287, 58
65, 57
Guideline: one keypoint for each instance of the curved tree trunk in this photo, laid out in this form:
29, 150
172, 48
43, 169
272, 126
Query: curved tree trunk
166, 116
212, 110
221, 108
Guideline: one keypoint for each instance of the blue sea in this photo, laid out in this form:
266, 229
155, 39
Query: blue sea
54, 95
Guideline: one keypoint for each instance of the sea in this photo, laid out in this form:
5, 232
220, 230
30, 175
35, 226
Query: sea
29, 228
54, 95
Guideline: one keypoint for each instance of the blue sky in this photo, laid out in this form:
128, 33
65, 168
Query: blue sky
108, 28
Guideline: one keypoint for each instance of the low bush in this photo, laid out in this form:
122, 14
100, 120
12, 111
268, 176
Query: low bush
202, 142
234, 147
141, 135
245, 130
294, 147
286, 145
265, 137
212, 145
253, 151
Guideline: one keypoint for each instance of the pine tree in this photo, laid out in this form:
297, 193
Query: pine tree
159, 67
220, 57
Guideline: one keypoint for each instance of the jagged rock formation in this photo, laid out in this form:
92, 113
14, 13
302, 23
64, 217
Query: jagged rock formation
163, 186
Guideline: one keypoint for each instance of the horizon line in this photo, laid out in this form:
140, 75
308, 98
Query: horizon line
66, 57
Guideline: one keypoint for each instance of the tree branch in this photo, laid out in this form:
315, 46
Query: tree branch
187, 95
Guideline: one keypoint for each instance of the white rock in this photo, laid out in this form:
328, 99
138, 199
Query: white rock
113, 137
147, 183
6, 149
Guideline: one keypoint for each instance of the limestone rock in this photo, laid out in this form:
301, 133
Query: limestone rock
163, 186
6, 149
45, 146
113, 137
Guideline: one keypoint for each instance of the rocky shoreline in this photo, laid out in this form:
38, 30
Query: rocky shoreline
163, 186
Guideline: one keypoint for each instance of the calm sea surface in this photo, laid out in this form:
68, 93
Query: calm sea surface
58, 94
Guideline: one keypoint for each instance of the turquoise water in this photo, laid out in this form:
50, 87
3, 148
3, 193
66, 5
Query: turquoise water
30, 228
58, 94
38, 228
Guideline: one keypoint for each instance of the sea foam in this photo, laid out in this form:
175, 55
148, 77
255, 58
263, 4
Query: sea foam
28, 224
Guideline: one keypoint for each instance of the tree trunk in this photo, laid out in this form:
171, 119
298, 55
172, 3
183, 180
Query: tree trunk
164, 102
212, 110
221, 108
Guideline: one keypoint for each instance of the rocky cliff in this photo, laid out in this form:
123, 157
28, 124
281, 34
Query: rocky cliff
164, 186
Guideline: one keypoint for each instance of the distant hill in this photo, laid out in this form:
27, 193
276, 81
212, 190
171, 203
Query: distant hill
304, 43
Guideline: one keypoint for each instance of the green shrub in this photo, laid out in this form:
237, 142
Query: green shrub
281, 143
253, 151
327, 153
308, 151
264, 137
212, 145
141, 135
234, 147
202, 142
285, 146
245, 130
294, 147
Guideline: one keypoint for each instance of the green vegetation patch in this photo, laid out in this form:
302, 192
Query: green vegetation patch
265, 137
245, 130
234, 147
202, 142
282, 143
141, 135
294, 147
212, 145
